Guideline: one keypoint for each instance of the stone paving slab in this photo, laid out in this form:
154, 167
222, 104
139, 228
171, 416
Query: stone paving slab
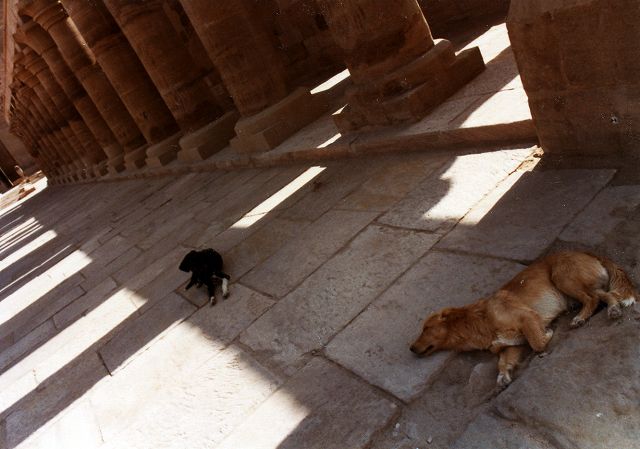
332, 296
515, 223
376, 344
591, 389
77, 428
42, 310
336, 182
35, 338
41, 405
198, 411
440, 201
602, 215
141, 333
260, 245
391, 183
173, 357
285, 269
297, 415
96, 273
84, 303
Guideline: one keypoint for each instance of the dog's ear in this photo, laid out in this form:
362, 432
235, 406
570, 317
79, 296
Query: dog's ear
187, 263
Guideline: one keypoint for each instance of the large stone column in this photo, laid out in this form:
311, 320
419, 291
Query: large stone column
65, 109
32, 35
28, 94
252, 69
177, 78
54, 20
124, 70
399, 72
72, 134
43, 136
23, 129
580, 63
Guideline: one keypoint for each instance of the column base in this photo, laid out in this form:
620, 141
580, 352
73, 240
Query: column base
100, 169
163, 152
208, 140
116, 164
269, 128
409, 93
135, 159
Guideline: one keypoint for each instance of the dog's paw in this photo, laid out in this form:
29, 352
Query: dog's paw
225, 295
576, 322
503, 381
628, 302
614, 312
212, 301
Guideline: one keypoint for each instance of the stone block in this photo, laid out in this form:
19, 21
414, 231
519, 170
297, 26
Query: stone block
172, 359
442, 199
308, 317
599, 219
336, 182
140, 333
570, 398
258, 246
391, 183
299, 257
208, 140
52, 397
76, 428
522, 217
297, 414
84, 303
270, 127
163, 152
376, 344
56, 299
199, 409
23, 346
135, 159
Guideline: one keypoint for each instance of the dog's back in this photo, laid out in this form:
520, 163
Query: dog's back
545, 285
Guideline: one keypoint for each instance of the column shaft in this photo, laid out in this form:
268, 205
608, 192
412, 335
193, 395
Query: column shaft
123, 68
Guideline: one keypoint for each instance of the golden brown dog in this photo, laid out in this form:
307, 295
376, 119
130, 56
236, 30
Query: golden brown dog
521, 310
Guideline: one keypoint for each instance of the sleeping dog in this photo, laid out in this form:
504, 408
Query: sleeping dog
204, 266
518, 314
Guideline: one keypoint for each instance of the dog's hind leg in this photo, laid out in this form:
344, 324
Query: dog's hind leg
509, 359
225, 283
582, 292
211, 288
614, 303
588, 299
534, 330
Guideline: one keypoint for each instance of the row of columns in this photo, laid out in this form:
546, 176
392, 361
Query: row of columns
109, 85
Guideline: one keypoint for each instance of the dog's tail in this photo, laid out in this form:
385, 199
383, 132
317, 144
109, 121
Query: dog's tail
619, 283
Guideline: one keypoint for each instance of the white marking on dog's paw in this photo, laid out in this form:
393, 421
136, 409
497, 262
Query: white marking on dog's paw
225, 287
628, 302
503, 380
212, 301
614, 312
548, 333
576, 322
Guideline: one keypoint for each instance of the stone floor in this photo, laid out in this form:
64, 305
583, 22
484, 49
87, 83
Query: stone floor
333, 266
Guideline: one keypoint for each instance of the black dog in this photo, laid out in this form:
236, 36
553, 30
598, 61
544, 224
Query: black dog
205, 265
